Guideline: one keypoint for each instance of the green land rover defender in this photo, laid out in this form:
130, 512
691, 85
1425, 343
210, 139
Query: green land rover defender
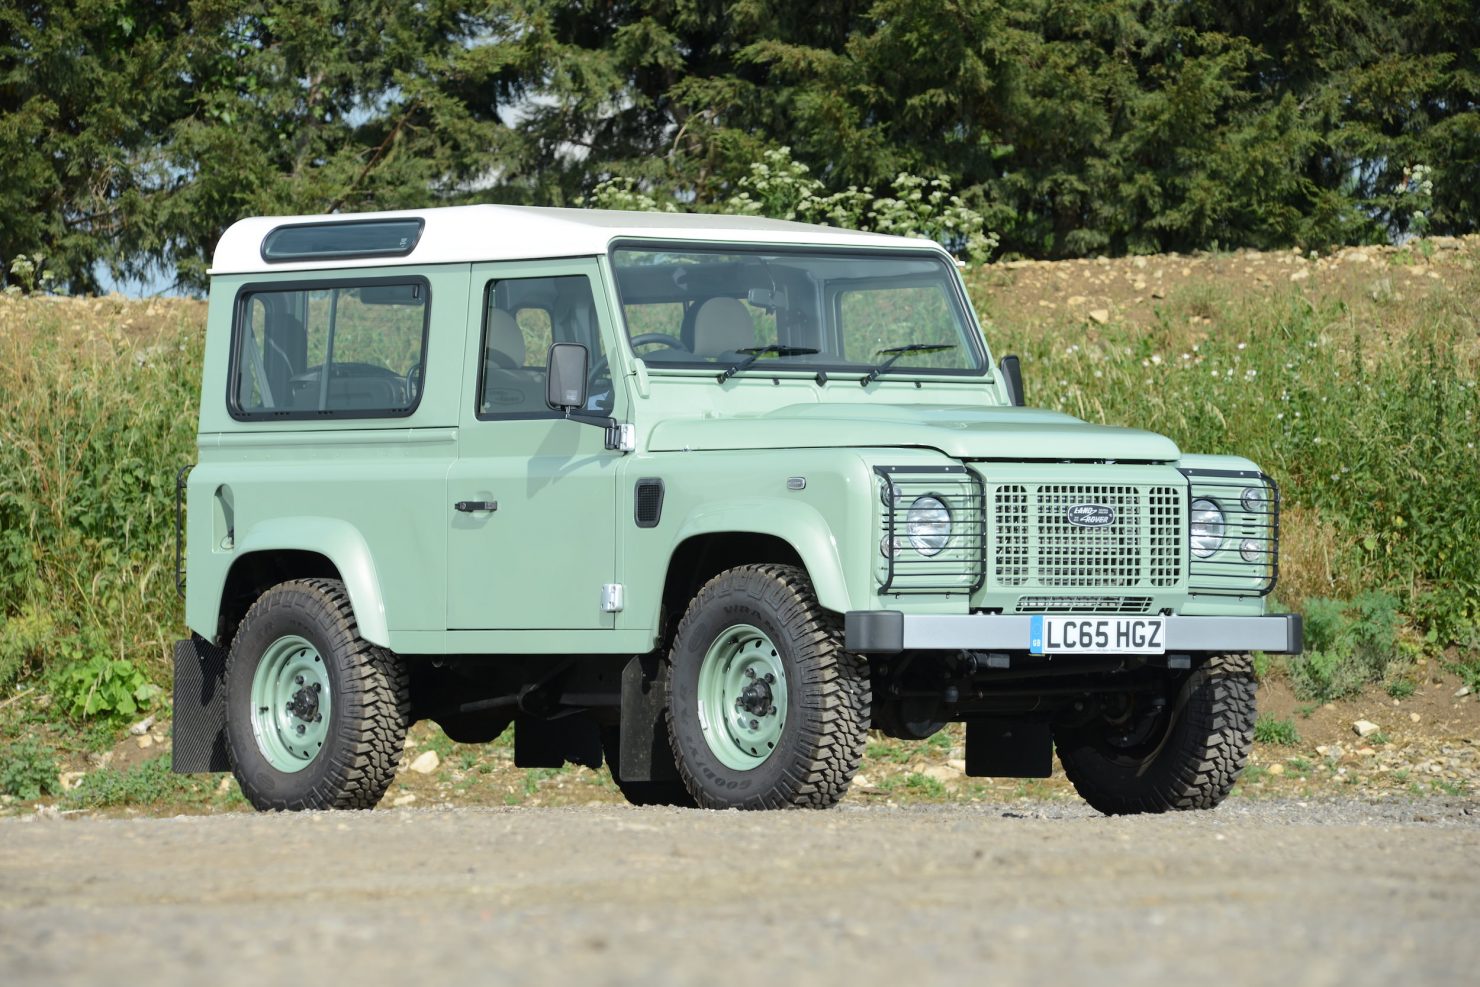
707, 497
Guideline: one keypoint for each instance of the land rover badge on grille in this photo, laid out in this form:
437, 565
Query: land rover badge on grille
1091, 515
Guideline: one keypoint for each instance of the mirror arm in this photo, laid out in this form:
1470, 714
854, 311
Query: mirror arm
618, 436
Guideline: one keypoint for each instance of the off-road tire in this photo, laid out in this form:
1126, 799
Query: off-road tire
826, 729
370, 713
1194, 761
669, 792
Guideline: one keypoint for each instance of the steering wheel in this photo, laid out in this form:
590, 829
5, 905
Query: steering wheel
649, 338
641, 339
413, 383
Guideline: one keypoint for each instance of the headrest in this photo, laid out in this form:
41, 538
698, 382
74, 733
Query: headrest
722, 325
505, 337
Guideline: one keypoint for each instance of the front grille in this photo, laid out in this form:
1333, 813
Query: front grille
959, 567
1033, 542
1084, 604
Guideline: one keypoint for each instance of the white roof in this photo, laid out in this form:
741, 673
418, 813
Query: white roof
463, 234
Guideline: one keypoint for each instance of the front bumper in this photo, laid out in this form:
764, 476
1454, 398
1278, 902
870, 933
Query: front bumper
883, 632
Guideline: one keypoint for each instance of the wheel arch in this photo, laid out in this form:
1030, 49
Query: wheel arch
720, 540
300, 548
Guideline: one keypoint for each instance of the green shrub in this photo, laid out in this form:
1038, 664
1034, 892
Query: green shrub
1268, 730
1348, 645
110, 688
23, 643
1401, 688
28, 770
146, 783
97, 411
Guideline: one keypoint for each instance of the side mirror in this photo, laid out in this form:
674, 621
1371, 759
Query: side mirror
565, 380
1012, 372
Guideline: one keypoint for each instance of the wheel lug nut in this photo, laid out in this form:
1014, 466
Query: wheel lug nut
300, 728
750, 673
770, 679
755, 724
299, 680
771, 711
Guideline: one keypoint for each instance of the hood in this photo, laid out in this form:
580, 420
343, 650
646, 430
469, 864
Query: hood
959, 431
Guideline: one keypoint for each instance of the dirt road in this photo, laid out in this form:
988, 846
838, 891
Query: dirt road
1258, 892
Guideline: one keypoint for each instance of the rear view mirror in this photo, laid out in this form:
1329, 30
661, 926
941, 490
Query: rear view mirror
565, 383
1012, 373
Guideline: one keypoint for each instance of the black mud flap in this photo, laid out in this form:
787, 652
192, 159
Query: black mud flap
1009, 749
555, 743
645, 754
199, 729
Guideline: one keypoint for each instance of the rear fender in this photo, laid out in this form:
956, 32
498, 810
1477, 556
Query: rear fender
338, 541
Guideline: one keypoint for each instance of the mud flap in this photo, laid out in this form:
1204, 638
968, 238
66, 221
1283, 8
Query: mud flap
555, 743
199, 728
1009, 749
645, 752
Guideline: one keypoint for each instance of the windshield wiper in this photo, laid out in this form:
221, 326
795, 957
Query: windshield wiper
756, 352
899, 351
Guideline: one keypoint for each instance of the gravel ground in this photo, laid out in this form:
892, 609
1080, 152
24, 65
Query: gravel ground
1258, 892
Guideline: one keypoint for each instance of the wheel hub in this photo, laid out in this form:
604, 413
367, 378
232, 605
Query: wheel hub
305, 704
756, 698
291, 703
742, 697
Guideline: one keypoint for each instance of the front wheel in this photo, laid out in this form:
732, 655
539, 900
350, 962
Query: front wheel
315, 715
1155, 755
765, 708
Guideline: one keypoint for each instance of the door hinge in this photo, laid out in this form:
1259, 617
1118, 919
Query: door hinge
613, 596
621, 436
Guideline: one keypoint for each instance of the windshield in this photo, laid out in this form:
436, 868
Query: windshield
708, 307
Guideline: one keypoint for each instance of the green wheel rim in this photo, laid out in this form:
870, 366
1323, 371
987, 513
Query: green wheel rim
291, 703
742, 697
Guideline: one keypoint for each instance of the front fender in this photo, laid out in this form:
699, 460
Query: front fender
338, 541
800, 525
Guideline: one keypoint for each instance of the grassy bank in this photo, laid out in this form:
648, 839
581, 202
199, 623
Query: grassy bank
1355, 388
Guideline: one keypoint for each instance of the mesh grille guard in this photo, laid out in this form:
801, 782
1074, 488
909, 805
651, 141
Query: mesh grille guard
1227, 572
959, 567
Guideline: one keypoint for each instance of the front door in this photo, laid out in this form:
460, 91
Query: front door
532, 497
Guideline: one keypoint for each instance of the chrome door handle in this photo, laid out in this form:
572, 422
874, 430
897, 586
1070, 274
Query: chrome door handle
476, 506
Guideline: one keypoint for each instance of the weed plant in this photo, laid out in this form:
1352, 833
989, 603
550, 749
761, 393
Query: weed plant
97, 411
1269, 730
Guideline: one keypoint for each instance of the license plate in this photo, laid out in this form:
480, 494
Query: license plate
1097, 636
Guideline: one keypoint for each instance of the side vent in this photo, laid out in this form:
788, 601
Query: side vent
648, 501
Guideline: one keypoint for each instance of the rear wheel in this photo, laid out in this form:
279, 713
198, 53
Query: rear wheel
1162, 754
315, 715
765, 708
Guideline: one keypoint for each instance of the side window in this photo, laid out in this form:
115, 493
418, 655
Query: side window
330, 350
521, 318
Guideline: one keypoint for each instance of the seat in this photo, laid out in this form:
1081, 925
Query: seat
505, 345
722, 325
509, 388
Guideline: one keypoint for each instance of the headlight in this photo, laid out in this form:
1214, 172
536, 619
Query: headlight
929, 525
1255, 500
1206, 530
1252, 550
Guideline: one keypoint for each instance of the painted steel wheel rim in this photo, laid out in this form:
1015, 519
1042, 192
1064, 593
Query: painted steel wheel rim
742, 697
291, 703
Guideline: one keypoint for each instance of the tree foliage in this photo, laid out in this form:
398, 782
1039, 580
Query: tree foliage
133, 131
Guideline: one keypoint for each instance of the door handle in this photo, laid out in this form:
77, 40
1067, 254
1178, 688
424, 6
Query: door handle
476, 506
